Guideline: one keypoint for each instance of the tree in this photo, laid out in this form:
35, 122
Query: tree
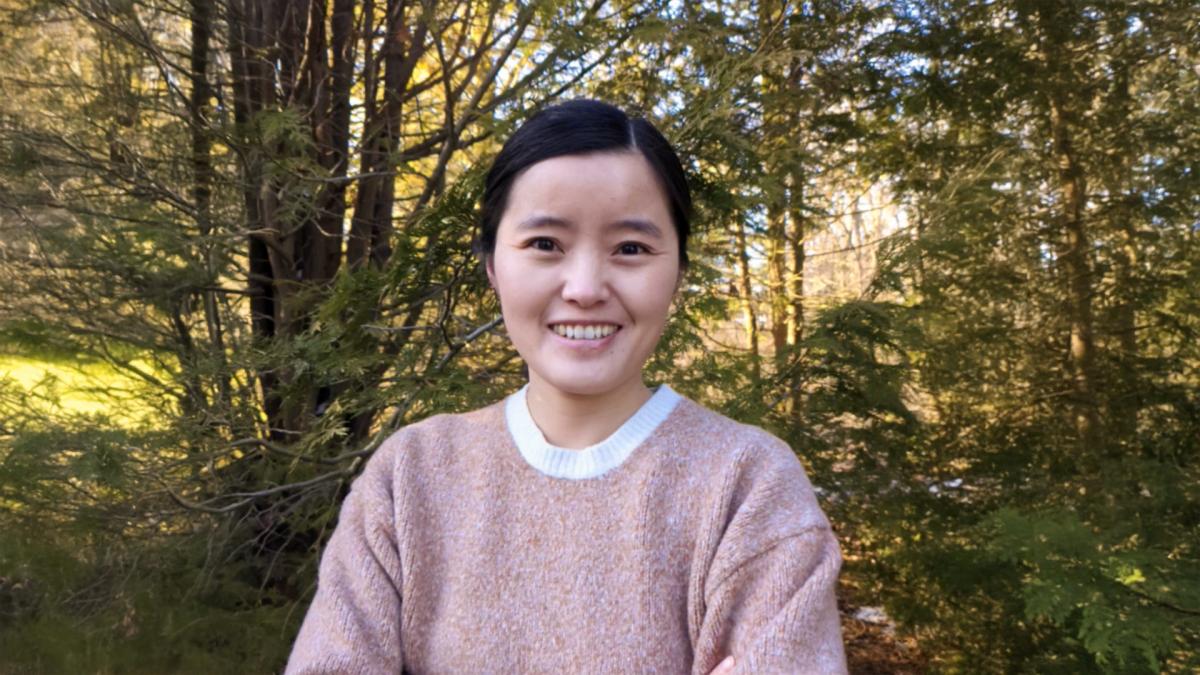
261, 213
1013, 497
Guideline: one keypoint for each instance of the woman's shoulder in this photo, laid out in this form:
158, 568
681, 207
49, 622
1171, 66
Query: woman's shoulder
445, 432
755, 478
709, 432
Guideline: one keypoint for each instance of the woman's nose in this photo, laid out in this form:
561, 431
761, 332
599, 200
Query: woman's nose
585, 283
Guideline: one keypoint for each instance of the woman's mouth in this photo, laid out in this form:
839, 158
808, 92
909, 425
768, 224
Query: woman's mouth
584, 336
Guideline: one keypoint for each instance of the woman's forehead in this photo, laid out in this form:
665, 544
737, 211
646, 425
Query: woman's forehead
609, 190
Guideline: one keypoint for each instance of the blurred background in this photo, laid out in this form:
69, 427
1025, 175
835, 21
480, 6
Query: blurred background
949, 250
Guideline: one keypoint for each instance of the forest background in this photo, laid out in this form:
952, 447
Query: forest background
946, 249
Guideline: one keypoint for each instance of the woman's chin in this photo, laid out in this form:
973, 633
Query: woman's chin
575, 384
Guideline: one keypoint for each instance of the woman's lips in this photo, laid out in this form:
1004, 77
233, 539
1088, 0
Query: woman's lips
585, 345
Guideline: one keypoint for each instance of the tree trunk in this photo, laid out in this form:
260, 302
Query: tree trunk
1076, 266
200, 112
371, 226
253, 92
795, 299
777, 276
747, 293
776, 143
1061, 87
1124, 400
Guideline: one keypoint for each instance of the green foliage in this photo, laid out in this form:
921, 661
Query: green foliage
937, 410
991, 524
103, 610
1073, 578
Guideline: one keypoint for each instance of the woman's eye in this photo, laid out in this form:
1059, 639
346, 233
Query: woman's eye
542, 244
633, 248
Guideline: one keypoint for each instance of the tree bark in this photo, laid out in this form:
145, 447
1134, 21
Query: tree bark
371, 226
200, 111
1124, 399
747, 293
1061, 87
796, 300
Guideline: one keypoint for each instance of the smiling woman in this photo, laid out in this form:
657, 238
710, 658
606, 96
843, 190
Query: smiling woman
586, 523
567, 261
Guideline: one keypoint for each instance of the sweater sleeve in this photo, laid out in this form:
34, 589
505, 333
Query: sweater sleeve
353, 624
777, 612
769, 595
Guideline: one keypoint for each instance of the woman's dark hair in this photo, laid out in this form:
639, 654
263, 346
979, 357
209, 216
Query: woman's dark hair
576, 128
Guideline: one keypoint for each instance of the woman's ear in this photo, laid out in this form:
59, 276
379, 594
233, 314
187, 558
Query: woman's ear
490, 268
678, 284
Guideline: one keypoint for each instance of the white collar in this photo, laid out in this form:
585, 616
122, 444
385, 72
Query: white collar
593, 460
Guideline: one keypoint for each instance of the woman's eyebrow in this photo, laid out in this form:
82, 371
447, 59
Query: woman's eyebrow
639, 225
534, 222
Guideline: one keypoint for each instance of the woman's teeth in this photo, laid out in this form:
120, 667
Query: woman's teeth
584, 332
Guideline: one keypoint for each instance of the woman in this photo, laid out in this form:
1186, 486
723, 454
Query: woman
585, 524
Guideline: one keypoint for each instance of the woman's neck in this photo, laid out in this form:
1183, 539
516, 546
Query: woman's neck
573, 421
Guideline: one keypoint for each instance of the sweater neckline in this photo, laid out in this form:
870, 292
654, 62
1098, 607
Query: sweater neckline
594, 460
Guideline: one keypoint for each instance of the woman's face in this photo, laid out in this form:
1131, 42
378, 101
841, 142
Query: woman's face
586, 265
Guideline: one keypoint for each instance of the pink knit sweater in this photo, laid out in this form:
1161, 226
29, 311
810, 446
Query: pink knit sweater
470, 545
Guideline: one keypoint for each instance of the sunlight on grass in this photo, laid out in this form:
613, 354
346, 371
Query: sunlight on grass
83, 388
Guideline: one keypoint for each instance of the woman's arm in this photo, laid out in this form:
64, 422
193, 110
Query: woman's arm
777, 611
767, 594
353, 624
